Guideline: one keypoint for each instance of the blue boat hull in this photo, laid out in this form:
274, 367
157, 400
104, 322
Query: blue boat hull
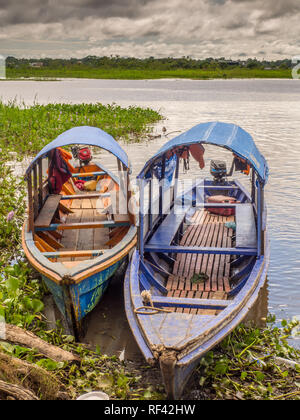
75, 301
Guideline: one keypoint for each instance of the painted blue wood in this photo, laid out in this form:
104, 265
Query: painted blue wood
246, 235
198, 250
259, 218
132, 319
84, 295
104, 224
151, 279
212, 328
56, 254
167, 229
170, 302
243, 271
87, 294
235, 290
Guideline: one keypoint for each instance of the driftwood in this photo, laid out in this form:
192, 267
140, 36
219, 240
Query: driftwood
16, 392
23, 380
19, 336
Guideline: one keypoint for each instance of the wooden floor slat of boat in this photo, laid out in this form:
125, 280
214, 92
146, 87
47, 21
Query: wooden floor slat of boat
206, 230
85, 210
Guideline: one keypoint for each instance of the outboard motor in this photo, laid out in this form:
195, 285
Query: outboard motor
218, 170
83, 154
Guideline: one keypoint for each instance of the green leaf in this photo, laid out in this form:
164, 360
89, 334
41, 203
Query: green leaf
244, 375
12, 284
50, 364
259, 376
37, 305
221, 368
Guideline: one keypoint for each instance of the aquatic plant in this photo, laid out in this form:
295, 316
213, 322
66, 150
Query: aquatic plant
248, 365
25, 130
12, 209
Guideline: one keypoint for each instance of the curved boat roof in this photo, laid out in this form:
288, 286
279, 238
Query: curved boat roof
229, 136
90, 136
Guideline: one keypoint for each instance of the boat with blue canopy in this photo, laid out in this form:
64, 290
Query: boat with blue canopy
79, 228
203, 249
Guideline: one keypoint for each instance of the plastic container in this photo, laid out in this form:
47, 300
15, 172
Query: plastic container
95, 395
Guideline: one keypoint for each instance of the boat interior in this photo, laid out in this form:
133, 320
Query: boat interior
205, 251
81, 220
204, 276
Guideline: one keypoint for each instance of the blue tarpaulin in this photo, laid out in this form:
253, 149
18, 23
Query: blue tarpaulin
229, 136
85, 135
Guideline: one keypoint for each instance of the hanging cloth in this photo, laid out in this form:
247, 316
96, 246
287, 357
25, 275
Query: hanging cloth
58, 172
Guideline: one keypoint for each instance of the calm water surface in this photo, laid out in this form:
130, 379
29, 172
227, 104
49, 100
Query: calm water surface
268, 109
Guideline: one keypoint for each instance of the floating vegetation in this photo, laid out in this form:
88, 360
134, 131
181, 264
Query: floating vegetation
25, 130
252, 364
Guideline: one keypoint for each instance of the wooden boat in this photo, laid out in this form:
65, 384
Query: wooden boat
197, 270
77, 239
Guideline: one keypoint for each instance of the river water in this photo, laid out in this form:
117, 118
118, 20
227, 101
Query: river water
268, 109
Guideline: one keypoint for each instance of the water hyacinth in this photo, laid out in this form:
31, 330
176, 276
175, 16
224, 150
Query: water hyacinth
10, 216
25, 130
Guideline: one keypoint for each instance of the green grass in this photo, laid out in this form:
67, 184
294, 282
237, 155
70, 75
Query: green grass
82, 71
25, 130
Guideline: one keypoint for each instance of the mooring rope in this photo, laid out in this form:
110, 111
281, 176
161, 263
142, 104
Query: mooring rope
149, 310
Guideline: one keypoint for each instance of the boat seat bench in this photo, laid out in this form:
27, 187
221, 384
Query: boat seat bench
167, 230
82, 225
48, 211
246, 236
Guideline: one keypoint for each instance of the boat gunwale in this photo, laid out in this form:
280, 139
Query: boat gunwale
84, 269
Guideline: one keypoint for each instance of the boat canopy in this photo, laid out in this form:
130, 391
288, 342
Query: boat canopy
90, 136
229, 136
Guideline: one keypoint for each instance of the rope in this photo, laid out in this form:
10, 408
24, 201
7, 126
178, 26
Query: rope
149, 310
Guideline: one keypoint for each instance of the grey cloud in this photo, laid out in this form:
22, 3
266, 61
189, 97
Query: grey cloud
54, 11
152, 27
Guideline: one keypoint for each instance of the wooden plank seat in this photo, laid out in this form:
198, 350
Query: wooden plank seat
200, 250
167, 230
82, 225
86, 174
48, 211
84, 196
246, 236
74, 254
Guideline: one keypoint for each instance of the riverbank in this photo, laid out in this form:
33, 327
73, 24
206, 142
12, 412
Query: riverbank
85, 72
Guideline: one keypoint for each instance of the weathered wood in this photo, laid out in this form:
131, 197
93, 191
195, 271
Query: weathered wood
81, 225
50, 240
86, 174
17, 392
48, 211
35, 191
29, 376
25, 338
40, 187
245, 226
83, 196
30, 204
73, 254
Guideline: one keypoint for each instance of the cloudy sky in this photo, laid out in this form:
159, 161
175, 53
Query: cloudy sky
199, 28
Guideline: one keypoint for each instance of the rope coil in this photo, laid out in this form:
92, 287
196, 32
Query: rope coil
149, 310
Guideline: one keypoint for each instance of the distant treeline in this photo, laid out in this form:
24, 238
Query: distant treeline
151, 63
